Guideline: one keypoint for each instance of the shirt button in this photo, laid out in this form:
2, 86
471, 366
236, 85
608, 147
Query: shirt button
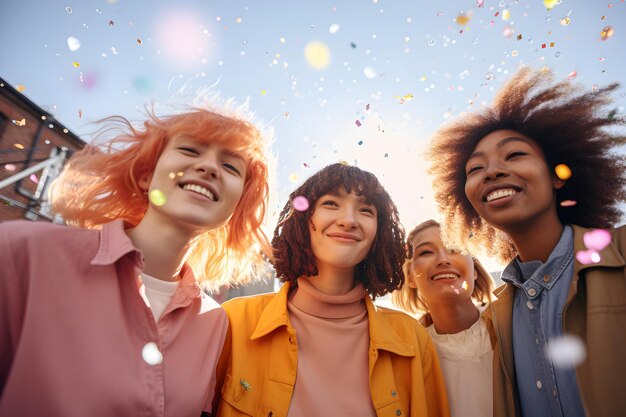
394, 393
539, 384
398, 412
546, 278
532, 292
530, 305
151, 354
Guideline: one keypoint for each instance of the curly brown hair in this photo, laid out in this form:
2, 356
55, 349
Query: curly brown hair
571, 125
381, 271
410, 300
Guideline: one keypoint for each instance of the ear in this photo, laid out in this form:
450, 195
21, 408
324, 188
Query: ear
144, 182
410, 281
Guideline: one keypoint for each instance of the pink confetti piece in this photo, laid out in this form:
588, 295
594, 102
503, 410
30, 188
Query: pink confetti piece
597, 239
300, 203
587, 257
358, 123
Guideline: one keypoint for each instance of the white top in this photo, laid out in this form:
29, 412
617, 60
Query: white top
158, 293
466, 363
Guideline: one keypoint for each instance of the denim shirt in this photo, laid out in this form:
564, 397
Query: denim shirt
540, 296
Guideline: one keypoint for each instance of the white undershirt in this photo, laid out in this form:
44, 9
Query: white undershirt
466, 364
158, 293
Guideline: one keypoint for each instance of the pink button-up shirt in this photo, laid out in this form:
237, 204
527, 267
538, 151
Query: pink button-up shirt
73, 327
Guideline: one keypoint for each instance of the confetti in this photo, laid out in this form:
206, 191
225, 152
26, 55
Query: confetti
506, 14
300, 203
151, 354
19, 122
572, 75
357, 122
293, 177
139, 41
263, 92
568, 203
34, 178
317, 55
405, 98
606, 33
157, 197
480, 3
549, 4
334, 28
20, 88
9, 167
489, 76
587, 257
464, 285
565, 21
463, 19
73, 43
360, 143
76, 64
563, 172
286, 115
597, 239
432, 41
18, 145
111, 23
369, 72
566, 351
508, 31
68, 9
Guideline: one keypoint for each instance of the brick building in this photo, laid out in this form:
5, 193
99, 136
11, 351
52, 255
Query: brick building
28, 137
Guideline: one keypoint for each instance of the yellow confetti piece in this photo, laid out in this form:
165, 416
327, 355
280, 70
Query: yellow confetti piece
606, 33
464, 285
263, 92
157, 197
20, 87
293, 177
76, 64
549, 4
506, 14
172, 175
18, 145
565, 21
563, 172
317, 55
19, 122
463, 19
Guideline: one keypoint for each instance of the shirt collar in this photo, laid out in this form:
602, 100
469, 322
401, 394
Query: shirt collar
382, 335
114, 244
536, 271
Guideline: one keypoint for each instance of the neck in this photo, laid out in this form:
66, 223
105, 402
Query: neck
333, 281
537, 241
164, 248
453, 317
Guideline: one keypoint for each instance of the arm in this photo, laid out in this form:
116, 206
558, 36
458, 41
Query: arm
437, 399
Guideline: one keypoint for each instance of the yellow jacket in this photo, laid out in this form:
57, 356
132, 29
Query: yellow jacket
595, 311
261, 357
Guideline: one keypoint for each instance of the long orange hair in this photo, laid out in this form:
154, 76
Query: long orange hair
100, 184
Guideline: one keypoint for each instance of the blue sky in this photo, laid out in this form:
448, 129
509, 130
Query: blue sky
449, 56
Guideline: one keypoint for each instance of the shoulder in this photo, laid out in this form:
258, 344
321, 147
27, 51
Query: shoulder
22, 233
249, 304
403, 323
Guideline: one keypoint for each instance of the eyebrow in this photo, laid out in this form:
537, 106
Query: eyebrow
422, 244
500, 145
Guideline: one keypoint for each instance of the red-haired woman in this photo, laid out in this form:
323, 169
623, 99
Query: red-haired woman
320, 347
109, 318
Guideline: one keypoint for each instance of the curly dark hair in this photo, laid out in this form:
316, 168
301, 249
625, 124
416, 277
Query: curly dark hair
571, 125
381, 271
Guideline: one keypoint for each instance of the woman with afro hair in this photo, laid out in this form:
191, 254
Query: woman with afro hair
536, 181
319, 346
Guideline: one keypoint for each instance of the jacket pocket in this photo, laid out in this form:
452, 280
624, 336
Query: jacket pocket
239, 395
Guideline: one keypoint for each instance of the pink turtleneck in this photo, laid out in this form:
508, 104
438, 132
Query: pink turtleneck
333, 364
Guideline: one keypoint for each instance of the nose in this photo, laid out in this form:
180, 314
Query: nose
494, 171
443, 258
208, 165
348, 219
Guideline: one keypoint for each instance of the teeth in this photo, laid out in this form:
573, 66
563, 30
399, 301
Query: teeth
445, 276
200, 190
500, 193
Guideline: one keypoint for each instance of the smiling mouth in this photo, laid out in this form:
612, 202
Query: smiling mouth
200, 190
498, 194
445, 276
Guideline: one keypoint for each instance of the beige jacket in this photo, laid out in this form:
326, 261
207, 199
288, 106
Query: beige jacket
595, 311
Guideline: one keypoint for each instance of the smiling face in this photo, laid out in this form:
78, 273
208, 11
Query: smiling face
438, 273
508, 182
200, 184
342, 229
